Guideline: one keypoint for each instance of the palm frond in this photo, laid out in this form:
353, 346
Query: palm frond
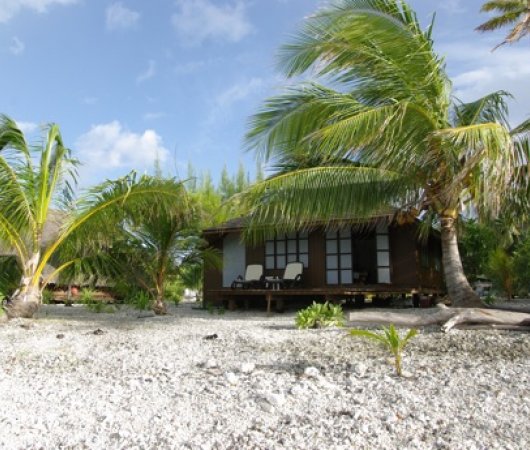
522, 129
499, 22
486, 160
503, 5
370, 335
376, 45
490, 108
286, 120
299, 199
106, 204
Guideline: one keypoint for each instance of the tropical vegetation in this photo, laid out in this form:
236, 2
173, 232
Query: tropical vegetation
155, 247
514, 13
377, 130
38, 179
320, 315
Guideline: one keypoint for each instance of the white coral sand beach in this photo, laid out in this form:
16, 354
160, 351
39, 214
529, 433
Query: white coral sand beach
241, 380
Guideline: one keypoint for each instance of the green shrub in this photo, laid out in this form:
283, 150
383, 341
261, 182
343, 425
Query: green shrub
220, 310
476, 243
174, 292
502, 272
96, 306
320, 315
123, 290
86, 296
489, 300
47, 296
140, 300
521, 264
390, 339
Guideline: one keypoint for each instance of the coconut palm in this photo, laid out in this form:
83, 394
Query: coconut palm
511, 12
33, 180
384, 129
159, 245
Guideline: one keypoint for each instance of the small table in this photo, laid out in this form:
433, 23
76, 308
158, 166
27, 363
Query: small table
273, 282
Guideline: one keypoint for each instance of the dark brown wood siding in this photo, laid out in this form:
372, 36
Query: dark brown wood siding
430, 262
255, 254
315, 274
403, 256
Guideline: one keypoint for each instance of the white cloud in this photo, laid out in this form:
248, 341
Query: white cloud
119, 17
27, 127
224, 103
239, 92
452, 6
200, 20
480, 72
110, 146
17, 47
150, 72
10, 8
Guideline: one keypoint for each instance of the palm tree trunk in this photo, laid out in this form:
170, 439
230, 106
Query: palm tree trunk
458, 287
159, 305
27, 298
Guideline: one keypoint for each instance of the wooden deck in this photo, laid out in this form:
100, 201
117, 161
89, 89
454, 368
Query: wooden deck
327, 294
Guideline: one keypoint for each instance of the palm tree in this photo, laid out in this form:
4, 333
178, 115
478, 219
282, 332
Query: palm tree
35, 180
510, 12
384, 130
159, 245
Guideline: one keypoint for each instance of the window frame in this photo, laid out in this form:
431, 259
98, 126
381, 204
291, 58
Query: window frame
340, 235
282, 247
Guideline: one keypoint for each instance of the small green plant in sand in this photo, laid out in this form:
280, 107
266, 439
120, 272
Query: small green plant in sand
390, 339
96, 306
220, 310
47, 296
320, 315
489, 299
140, 300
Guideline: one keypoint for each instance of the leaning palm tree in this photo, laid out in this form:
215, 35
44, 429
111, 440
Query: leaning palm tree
511, 12
33, 180
384, 129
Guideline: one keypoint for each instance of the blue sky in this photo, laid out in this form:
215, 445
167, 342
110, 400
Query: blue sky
128, 80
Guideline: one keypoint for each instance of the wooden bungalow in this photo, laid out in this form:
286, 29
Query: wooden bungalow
377, 258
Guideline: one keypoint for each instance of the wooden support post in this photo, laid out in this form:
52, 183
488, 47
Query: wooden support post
268, 297
232, 304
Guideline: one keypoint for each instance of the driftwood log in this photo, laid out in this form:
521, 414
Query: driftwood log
448, 318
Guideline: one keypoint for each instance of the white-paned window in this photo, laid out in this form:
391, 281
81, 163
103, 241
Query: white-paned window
339, 257
383, 254
285, 249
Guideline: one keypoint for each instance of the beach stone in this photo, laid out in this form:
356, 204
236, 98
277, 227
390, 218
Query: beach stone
211, 364
311, 372
276, 400
232, 378
247, 368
